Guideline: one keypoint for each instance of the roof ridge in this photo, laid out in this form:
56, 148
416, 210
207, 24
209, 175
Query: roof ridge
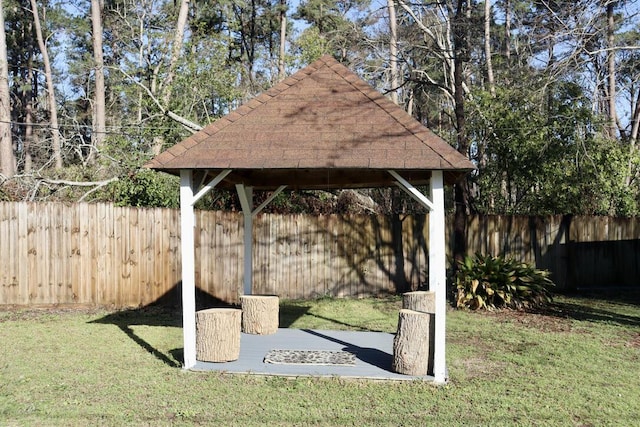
275, 90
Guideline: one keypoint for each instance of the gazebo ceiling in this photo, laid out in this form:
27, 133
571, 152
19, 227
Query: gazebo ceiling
323, 179
321, 128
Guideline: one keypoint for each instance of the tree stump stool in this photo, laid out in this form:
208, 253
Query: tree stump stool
218, 334
411, 344
260, 314
425, 302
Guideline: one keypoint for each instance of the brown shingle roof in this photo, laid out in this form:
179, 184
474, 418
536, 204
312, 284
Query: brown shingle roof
322, 119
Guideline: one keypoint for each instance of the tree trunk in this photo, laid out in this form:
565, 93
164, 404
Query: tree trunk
218, 334
166, 87
53, 108
460, 189
27, 100
99, 110
28, 118
507, 31
176, 49
487, 46
611, 68
393, 50
141, 49
424, 302
7, 156
283, 38
411, 344
635, 122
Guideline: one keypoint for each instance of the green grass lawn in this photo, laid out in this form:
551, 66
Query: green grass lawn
577, 364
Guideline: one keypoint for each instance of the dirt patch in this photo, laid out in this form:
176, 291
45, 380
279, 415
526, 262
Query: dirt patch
634, 341
47, 312
478, 367
548, 319
18, 313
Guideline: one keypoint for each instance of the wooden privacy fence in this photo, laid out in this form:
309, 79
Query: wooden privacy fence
100, 254
94, 254
582, 252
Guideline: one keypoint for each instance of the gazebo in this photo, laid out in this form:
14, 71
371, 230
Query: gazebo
320, 128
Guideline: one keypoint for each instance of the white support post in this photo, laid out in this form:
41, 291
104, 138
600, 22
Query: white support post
187, 242
245, 194
437, 262
437, 273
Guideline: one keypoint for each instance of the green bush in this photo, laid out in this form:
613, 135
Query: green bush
494, 282
146, 188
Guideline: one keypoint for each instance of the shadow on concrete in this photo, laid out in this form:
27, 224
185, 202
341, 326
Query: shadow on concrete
370, 355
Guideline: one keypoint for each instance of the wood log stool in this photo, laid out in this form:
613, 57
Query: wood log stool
260, 314
411, 344
425, 302
218, 334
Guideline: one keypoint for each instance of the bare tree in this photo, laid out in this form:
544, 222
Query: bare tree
99, 116
450, 44
393, 50
507, 31
283, 38
487, 46
460, 24
7, 156
441, 36
611, 70
51, 96
176, 48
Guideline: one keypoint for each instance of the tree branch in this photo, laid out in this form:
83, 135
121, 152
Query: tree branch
96, 184
79, 183
192, 127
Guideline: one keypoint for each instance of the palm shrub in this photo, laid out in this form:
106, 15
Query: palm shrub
488, 282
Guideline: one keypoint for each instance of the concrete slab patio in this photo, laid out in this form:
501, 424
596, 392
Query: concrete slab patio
373, 350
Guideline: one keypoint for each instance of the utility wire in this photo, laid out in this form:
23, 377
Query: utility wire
141, 129
113, 131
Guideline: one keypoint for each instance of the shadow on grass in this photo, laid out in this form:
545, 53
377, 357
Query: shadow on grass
164, 312
616, 295
148, 316
290, 312
351, 326
593, 307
